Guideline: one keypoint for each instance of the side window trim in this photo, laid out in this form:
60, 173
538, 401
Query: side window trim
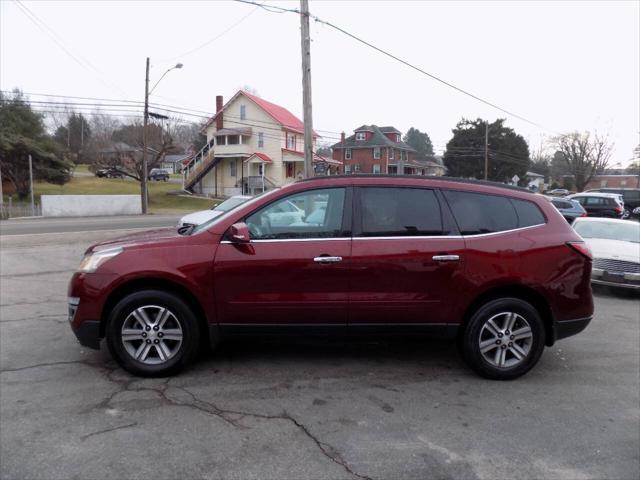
347, 215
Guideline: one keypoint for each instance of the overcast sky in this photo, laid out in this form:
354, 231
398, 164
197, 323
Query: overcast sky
563, 65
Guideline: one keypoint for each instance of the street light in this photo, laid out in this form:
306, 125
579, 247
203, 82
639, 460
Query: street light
144, 193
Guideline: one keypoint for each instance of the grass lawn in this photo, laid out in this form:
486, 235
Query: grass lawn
162, 195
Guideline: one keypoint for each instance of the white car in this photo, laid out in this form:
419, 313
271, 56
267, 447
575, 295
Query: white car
197, 218
615, 246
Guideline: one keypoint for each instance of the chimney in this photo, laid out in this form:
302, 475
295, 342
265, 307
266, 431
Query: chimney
219, 123
342, 137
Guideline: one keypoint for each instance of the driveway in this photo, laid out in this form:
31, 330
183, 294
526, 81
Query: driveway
302, 410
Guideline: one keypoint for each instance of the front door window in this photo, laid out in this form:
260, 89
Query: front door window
312, 214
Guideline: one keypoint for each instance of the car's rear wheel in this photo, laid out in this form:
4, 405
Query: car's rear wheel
152, 333
504, 339
626, 213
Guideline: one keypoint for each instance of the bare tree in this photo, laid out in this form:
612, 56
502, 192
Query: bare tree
585, 155
159, 144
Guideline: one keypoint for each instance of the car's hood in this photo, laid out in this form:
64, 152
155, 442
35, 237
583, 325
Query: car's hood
137, 239
615, 249
202, 216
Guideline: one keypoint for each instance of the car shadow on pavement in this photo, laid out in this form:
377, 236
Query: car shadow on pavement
615, 292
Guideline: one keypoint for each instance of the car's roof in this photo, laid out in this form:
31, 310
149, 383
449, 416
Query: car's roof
595, 194
435, 181
603, 220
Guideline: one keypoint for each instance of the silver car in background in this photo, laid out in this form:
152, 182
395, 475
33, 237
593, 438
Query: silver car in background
615, 246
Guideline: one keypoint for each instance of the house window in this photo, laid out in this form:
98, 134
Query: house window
603, 183
347, 154
347, 169
398, 138
391, 154
232, 168
221, 140
233, 139
403, 155
356, 168
291, 141
260, 140
376, 168
243, 112
361, 136
376, 153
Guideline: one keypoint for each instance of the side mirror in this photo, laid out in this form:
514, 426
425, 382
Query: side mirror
240, 233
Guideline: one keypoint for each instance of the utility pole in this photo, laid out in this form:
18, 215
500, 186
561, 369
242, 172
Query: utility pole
144, 142
1, 195
33, 207
305, 42
486, 150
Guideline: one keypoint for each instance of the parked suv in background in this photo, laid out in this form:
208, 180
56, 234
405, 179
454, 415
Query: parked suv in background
570, 209
599, 204
158, 174
496, 267
630, 197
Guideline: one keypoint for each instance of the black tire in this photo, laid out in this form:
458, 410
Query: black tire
182, 314
471, 337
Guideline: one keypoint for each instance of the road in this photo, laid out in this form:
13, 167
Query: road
300, 410
85, 224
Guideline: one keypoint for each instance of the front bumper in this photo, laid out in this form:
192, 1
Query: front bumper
623, 280
88, 334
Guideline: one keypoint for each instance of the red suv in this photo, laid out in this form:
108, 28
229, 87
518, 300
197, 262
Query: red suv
496, 267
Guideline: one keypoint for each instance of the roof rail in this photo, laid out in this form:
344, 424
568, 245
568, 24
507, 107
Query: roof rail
423, 177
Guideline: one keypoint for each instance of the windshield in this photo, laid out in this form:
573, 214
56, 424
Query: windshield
627, 231
207, 224
229, 204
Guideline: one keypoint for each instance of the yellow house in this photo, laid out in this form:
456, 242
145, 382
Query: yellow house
253, 145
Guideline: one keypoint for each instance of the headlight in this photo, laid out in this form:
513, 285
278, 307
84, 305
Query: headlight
91, 262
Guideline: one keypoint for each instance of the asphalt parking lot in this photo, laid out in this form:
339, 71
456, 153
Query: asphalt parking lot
303, 411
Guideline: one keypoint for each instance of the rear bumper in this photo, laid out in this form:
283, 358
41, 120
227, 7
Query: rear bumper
566, 328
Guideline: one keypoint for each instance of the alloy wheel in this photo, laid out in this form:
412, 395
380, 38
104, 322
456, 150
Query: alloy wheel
505, 340
151, 334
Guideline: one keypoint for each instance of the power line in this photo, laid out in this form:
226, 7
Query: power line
408, 64
47, 30
213, 39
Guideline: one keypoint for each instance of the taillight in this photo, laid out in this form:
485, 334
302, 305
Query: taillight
583, 214
581, 248
618, 209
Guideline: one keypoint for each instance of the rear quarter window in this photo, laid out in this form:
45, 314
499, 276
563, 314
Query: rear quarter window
478, 213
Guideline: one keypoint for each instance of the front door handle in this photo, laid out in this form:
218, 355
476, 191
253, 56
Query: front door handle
446, 258
327, 259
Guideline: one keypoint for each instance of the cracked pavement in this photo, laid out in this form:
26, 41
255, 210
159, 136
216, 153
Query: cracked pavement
302, 410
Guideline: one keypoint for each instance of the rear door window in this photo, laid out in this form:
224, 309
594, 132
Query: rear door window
478, 213
399, 212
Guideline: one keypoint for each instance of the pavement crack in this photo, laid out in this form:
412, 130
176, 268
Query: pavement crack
327, 450
107, 430
61, 318
47, 364
33, 274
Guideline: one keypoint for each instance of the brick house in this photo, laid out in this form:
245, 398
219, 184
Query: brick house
613, 181
373, 149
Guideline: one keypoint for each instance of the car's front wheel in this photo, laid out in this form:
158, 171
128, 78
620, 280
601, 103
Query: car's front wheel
504, 339
152, 333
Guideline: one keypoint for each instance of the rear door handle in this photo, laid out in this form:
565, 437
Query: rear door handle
446, 258
327, 259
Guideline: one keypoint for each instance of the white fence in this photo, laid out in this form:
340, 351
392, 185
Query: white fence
90, 205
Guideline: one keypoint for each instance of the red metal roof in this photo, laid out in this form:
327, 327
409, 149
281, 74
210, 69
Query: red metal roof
262, 156
280, 114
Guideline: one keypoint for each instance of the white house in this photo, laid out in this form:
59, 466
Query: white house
253, 145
